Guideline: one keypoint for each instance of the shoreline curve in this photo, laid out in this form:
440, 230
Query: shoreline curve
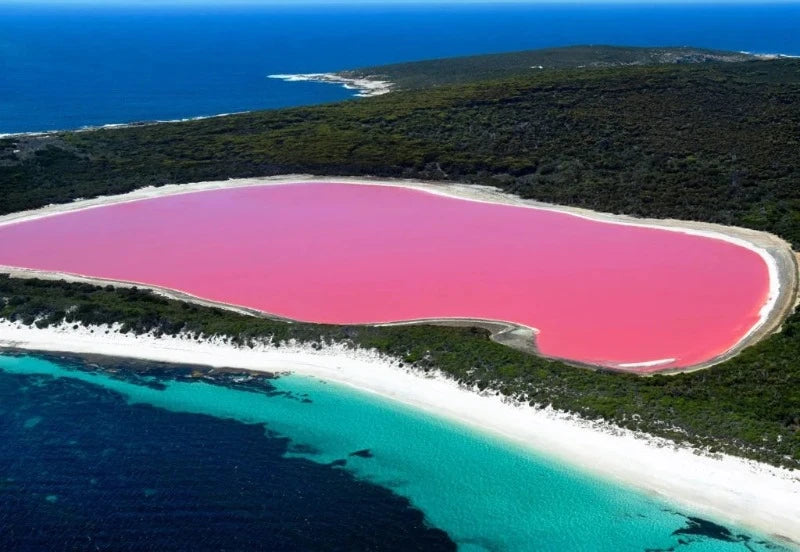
731, 489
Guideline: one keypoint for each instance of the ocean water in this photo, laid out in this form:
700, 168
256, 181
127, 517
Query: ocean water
68, 67
411, 255
146, 457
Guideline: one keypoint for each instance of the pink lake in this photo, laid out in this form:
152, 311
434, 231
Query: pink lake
597, 292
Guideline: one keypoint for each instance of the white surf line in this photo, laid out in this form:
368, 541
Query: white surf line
767, 56
112, 126
366, 87
445, 189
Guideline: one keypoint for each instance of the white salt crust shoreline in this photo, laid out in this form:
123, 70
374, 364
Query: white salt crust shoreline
729, 489
776, 253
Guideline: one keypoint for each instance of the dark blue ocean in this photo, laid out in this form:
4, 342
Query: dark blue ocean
68, 67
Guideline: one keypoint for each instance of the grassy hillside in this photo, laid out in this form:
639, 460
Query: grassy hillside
712, 142
437, 72
748, 406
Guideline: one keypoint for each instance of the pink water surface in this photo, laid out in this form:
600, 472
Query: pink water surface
344, 253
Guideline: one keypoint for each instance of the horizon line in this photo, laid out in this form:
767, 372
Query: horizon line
301, 3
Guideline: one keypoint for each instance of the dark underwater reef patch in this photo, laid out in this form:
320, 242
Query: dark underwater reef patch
697, 529
95, 472
363, 453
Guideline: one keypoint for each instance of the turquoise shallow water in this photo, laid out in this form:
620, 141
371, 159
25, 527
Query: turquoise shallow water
485, 493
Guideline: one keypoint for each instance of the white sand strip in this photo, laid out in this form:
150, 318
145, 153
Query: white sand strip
730, 489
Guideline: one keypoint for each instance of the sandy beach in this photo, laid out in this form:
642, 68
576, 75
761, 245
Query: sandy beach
777, 255
730, 489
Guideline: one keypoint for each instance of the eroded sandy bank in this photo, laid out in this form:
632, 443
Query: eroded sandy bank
730, 489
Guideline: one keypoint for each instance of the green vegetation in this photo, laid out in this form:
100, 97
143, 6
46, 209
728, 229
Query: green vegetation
714, 142
710, 141
436, 72
748, 406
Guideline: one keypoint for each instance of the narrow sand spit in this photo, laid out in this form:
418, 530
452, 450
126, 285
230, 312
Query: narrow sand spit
776, 253
730, 489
